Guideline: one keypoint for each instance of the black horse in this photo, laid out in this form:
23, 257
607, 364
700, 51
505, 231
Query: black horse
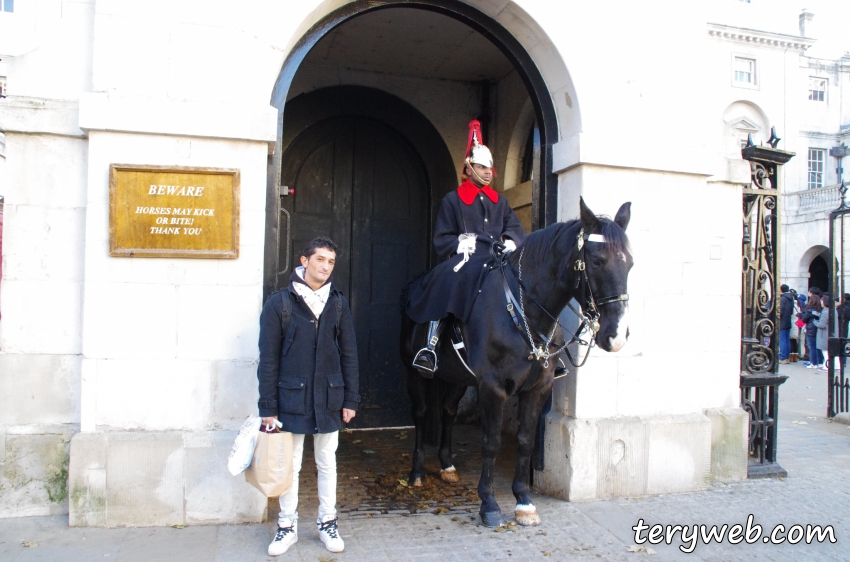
587, 260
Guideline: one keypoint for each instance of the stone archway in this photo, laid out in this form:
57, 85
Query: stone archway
544, 74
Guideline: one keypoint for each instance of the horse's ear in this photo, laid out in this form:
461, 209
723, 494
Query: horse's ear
624, 215
588, 220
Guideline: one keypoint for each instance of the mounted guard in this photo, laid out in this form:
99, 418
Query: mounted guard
473, 225
514, 340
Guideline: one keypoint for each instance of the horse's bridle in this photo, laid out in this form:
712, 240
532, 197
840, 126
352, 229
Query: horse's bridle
591, 304
589, 314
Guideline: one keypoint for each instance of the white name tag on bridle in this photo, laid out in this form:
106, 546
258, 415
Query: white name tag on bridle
595, 238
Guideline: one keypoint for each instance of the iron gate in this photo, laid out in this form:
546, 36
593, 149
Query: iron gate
760, 378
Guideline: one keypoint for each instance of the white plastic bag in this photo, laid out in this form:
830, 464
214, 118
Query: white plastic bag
243, 447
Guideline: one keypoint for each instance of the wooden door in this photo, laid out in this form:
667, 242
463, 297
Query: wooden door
361, 183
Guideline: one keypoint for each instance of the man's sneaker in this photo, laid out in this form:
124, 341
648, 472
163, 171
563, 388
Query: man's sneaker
806, 364
811, 366
329, 533
783, 361
283, 539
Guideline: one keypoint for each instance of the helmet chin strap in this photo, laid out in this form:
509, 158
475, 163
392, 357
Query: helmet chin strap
475, 175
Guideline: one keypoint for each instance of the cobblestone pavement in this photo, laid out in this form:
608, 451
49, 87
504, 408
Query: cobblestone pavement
442, 522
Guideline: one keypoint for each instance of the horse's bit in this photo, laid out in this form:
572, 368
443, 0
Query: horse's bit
589, 319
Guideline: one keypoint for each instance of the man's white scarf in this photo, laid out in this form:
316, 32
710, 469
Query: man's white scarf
315, 299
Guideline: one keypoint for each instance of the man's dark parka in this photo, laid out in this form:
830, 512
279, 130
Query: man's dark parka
308, 375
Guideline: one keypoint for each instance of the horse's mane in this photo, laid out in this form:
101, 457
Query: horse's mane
538, 245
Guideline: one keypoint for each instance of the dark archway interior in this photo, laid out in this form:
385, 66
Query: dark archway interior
819, 274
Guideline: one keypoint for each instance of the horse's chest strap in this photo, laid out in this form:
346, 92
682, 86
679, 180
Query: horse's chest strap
511, 302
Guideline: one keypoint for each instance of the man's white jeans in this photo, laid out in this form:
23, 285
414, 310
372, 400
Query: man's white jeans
324, 445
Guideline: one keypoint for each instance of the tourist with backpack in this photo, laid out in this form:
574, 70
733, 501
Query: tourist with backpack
308, 379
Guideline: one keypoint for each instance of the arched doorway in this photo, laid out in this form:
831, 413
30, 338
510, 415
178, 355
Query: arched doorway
452, 63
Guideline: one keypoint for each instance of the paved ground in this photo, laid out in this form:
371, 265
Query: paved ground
397, 526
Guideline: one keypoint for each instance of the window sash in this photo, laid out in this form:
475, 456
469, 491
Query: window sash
816, 165
744, 70
817, 89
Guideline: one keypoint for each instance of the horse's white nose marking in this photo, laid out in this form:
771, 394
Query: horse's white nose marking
619, 340
623, 256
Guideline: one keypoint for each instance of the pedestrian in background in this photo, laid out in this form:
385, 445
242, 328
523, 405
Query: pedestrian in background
822, 325
800, 305
809, 315
786, 311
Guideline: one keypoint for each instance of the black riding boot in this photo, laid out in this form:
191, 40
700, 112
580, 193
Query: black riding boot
426, 358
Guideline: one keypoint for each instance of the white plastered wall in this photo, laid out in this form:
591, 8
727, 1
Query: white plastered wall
46, 49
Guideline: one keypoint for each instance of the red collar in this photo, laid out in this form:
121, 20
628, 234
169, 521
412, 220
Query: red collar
468, 190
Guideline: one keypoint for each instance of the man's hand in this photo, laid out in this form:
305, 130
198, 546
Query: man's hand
348, 415
269, 422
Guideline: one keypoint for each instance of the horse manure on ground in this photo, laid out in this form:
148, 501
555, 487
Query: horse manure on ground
393, 490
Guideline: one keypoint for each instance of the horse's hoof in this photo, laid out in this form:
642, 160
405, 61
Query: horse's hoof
491, 518
527, 516
417, 482
449, 475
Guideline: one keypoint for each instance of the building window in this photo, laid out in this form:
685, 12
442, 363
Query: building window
744, 71
817, 89
8, 5
816, 159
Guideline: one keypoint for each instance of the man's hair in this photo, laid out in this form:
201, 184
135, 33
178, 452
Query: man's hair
816, 291
784, 288
317, 243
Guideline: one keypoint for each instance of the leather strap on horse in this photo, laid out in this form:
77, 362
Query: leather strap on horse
512, 304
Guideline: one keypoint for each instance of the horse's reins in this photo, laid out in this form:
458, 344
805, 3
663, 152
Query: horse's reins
589, 319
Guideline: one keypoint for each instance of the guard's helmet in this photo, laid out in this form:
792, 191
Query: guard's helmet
476, 152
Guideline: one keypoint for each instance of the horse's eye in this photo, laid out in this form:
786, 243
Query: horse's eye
596, 263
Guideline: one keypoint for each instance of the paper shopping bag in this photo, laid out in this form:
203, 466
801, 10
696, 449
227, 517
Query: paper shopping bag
271, 466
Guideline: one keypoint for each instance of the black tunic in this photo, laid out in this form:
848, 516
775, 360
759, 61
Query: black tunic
443, 291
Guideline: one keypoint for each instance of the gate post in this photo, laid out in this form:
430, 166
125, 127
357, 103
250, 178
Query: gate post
760, 378
837, 382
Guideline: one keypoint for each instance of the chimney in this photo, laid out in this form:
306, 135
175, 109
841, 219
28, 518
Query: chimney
806, 23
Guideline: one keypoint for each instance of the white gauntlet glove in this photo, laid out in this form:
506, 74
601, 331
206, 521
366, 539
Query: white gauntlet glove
509, 245
465, 246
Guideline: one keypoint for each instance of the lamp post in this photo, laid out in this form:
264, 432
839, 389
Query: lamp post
839, 152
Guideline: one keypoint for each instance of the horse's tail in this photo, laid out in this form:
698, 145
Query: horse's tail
433, 411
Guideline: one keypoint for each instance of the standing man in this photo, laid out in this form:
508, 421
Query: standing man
471, 220
786, 312
308, 379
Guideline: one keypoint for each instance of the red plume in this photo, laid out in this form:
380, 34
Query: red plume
474, 130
